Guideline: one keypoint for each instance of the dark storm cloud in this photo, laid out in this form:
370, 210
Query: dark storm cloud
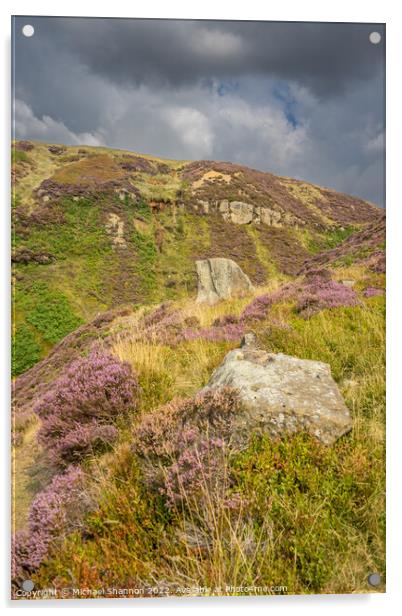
326, 57
302, 100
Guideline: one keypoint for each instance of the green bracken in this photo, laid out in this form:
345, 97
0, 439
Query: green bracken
26, 350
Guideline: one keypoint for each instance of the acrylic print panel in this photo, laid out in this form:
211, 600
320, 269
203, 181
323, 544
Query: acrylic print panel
198, 308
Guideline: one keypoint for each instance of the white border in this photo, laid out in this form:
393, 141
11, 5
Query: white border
293, 10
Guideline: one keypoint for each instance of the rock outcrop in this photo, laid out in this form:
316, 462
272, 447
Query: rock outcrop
282, 394
241, 213
220, 278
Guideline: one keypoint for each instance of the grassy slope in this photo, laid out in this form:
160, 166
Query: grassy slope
313, 517
86, 272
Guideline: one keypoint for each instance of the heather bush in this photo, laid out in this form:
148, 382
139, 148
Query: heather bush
157, 315
319, 293
226, 319
81, 441
313, 274
79, 410
315, 292
54, 512
199, 467
181, 443
162, 324
257, 309
225, 333
159, 433
193, 321
373, 292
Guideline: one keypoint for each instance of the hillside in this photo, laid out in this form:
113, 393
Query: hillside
95, 228
126, 472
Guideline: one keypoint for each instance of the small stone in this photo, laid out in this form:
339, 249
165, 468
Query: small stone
249, 340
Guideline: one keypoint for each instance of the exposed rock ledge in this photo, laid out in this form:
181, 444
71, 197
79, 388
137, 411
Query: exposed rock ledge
241, 213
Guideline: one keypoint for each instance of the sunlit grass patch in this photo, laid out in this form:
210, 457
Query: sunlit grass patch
160, 187
89, 171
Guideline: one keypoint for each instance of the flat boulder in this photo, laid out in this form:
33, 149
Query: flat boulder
281, 394
220, 278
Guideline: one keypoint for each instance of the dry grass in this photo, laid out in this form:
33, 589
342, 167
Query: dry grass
44, 166
24, 458
160, 187
207, 314
216, 545
165, 373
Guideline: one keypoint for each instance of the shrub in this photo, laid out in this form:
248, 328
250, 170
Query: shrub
180, 444
315, 292
224, 333
199, 467
162, 323
319, 293
373, 292
54, 512
317, 500
81, 441
77, 411
157, 316
226, 319
257, 309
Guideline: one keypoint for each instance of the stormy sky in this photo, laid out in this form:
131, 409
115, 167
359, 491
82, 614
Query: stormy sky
302, 100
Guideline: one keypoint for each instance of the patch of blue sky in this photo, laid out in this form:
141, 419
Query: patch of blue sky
227, 87
282, 93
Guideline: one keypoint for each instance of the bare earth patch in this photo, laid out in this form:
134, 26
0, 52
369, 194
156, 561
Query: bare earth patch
212, 175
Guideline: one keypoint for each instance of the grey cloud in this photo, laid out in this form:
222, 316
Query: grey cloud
326, 57
220, 90
28, 126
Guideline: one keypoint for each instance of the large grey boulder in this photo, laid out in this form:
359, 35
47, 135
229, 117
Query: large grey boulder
220, 278
282, 394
